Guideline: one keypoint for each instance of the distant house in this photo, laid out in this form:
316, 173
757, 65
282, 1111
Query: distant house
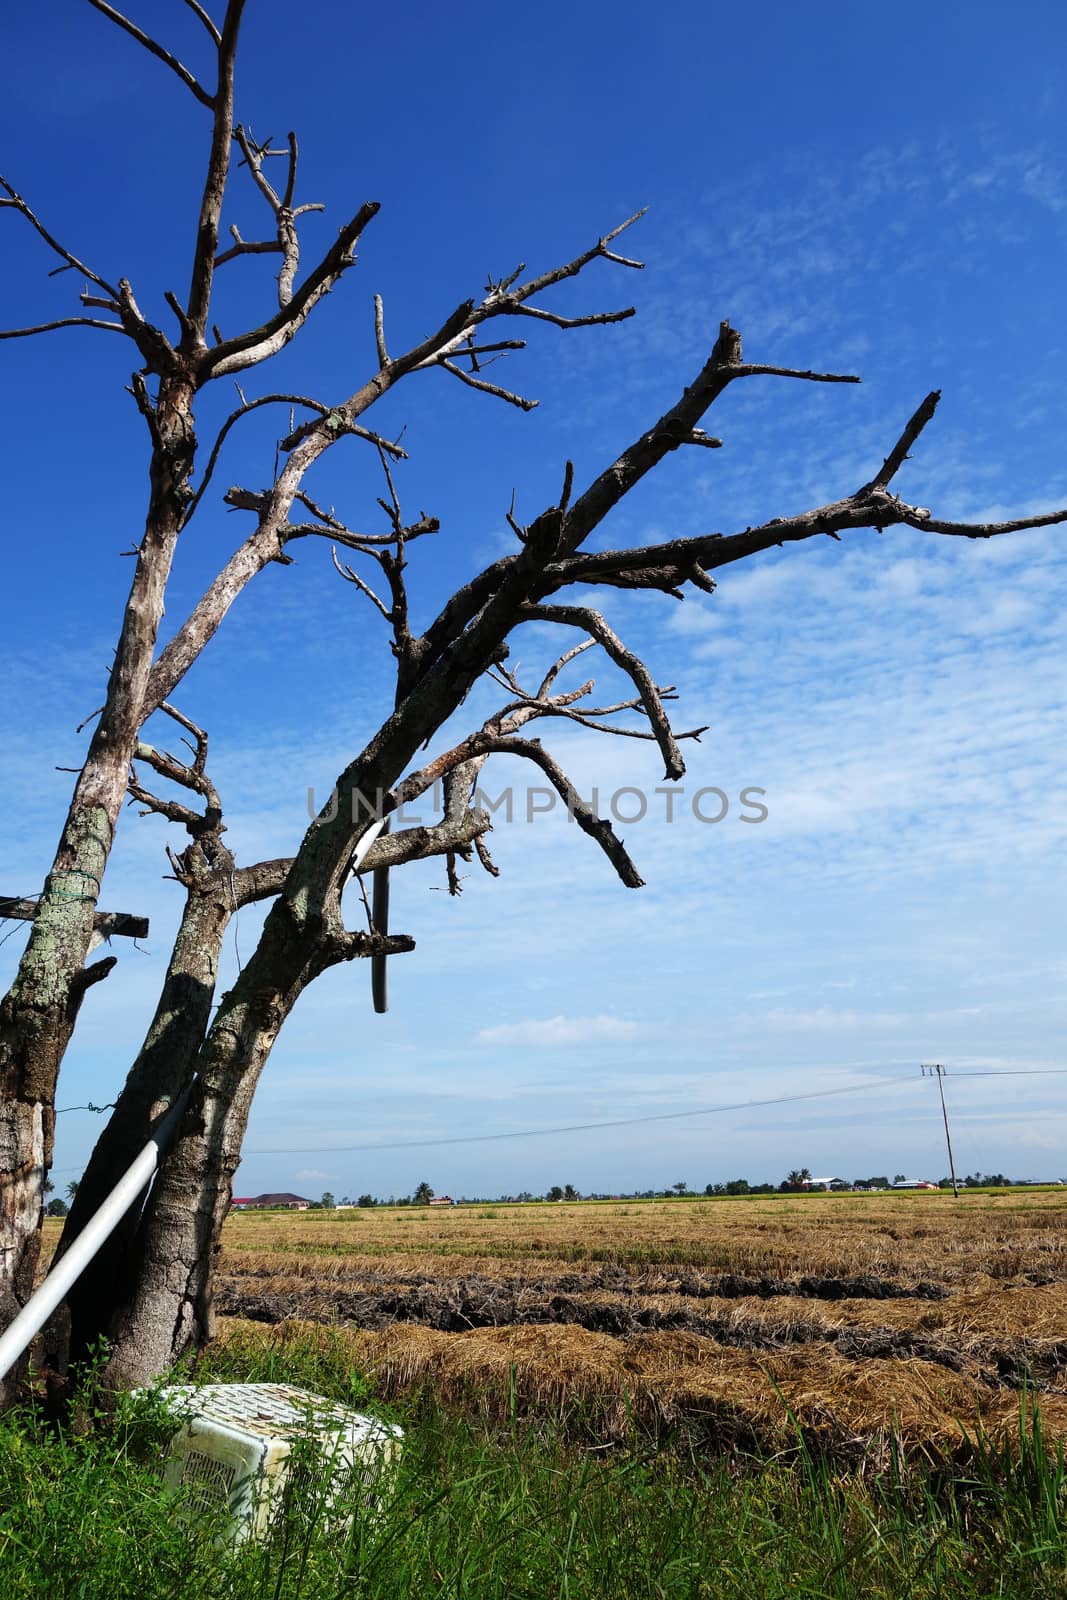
272, 1202
442, 1200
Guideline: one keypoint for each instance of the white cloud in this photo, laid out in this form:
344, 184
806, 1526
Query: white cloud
825, 1017
559, 1030
901, 699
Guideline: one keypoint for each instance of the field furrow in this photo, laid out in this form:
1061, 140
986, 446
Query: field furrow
854, 1316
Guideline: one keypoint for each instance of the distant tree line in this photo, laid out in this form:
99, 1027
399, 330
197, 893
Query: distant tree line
795, 1182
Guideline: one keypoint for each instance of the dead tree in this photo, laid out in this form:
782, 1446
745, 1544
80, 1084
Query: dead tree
151, 1295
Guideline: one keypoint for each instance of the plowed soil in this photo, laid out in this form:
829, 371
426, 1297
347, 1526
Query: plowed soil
910, 1313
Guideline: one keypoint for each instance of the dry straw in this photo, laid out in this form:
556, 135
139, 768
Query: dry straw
661, 1381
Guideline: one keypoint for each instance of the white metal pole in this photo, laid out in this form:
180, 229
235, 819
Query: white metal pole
39, 1307
359, 855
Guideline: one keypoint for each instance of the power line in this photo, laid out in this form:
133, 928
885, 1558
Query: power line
1015, 1072
630, 1122
616, 1122
580, 1127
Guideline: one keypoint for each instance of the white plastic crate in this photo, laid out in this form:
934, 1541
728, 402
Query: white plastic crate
235, 1448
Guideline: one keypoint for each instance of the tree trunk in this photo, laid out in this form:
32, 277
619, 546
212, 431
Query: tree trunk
165, 1296
38, 1013
162, 1071
168, 1273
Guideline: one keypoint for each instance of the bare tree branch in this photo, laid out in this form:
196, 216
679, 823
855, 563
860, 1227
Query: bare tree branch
265, 545
393, 563
333, 528
486, 743
482, 850
199, 746
586, 719
218, 167
459, 765
169, 766
64, 322
537, 285
568, 485
263, 881
171, 810
17, 203
364, 588
488, 388
379, 331
88, 976
247, 247
498, 347
337, 424
868, 508
574, 322
899, 453
502, 299
243, 410
455, 886
919, 517
749, 369
156, 49
287, 241
199, 11
598, 828
674, 428
594, 624
248, 349
527, 707
266, 879
253, 159
557, 667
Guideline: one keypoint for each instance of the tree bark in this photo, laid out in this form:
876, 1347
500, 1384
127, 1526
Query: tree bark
38, 1013
165, 1297
170, 1269
162, 1071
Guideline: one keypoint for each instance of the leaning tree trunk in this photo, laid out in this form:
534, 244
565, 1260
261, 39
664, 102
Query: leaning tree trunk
165, 1294
38, 1013
100, 1301
163, 1069
167, 1308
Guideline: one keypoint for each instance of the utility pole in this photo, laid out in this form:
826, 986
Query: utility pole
937, 1071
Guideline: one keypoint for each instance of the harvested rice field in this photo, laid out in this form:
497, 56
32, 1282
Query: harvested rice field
735, 1321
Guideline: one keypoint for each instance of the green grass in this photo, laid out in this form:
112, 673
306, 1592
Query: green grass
518, 1512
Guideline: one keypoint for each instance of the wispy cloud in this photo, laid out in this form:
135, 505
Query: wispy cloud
901, 698
559, 1030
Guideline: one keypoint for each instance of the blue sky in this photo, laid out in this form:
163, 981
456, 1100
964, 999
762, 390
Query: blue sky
883, 197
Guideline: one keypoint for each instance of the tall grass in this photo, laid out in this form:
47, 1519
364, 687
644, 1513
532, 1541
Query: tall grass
516, 1512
